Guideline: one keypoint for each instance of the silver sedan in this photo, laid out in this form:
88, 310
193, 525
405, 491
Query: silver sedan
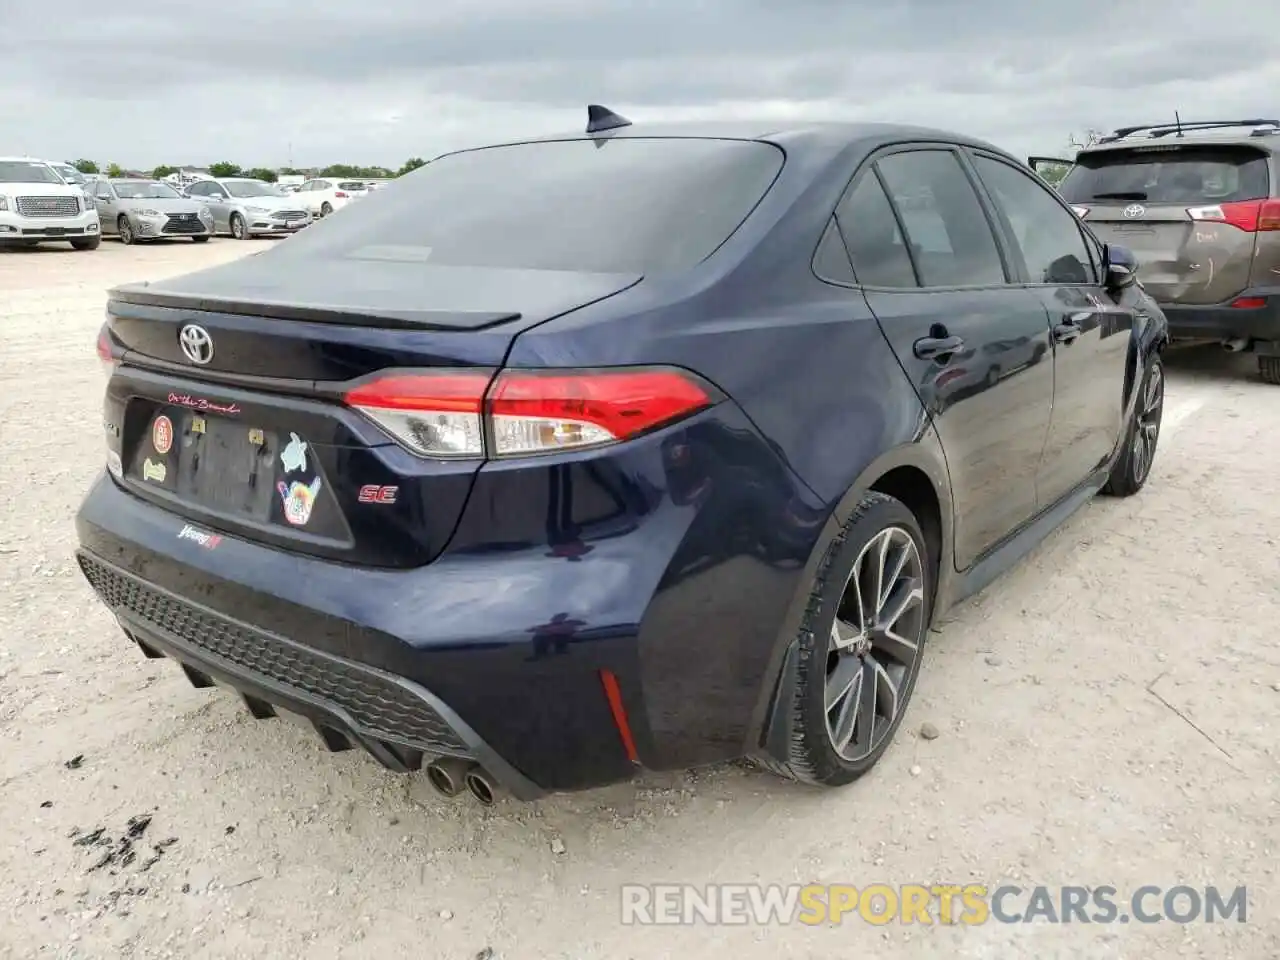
137, 210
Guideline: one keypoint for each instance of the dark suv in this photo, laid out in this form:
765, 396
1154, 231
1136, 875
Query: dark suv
633, 448
1199, 203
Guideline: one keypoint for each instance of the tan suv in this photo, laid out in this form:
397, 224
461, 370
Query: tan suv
1199, 204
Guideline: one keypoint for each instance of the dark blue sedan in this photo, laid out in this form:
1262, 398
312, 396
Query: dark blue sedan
634, 448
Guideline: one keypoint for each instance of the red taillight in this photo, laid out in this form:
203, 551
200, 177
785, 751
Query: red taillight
1249, 303
106, 353
442, 413
339, 193
436, 413
1251, 216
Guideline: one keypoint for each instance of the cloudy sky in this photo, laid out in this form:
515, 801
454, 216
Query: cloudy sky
328, 81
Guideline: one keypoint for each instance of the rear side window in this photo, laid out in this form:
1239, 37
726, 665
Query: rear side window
871, 233
951, 240
626, 205
1169, 174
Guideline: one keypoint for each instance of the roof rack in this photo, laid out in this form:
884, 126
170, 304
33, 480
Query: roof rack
1178, 128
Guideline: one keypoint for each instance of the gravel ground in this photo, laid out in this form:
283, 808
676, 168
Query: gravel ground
1106, 714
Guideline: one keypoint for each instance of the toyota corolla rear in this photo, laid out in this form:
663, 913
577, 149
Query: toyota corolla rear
326, 489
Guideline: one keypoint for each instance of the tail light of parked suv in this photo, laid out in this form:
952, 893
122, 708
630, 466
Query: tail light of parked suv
470, 414
1251, 216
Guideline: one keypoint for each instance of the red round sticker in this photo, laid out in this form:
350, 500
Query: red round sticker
162, 434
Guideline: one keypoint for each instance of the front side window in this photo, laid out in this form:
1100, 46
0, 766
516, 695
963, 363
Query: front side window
1049, 236
626, 205
950, 238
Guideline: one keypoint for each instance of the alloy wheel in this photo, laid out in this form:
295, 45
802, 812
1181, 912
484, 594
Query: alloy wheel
126, 230
1147, 429
875, 644
237, 227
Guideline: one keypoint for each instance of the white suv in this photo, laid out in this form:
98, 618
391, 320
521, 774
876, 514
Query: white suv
37, 206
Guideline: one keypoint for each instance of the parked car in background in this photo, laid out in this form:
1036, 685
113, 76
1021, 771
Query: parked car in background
1199, 203
249, 208
71, 175
616, 450
324, 195
38, 206
136, 210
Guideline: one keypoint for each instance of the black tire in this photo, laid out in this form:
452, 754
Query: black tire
89, 243
1132, 468
813, 757
326, 208
199, 239
125, 229
238, 228
1269, 369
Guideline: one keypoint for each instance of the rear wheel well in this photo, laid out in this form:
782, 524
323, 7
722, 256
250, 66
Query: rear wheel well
913, 488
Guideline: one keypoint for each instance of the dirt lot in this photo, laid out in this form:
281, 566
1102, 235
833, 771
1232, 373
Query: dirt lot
1108, 714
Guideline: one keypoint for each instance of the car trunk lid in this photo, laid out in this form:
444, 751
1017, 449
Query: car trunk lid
226, 404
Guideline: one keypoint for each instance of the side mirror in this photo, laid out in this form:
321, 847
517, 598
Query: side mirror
1119, 267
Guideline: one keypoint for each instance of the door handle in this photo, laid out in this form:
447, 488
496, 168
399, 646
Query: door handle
931, 348
1067, 331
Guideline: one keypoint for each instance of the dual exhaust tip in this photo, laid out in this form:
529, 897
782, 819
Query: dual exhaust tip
449, 776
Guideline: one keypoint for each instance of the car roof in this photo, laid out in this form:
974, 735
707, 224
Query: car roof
818, 137
24, 160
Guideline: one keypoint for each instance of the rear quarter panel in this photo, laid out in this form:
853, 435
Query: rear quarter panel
808, 365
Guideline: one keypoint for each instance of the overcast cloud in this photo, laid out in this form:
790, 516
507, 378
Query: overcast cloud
327, 81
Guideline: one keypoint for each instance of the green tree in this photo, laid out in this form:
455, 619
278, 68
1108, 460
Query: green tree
410, 165
262, 173
293, 172
225, 168
86, 166
163, 171
115, 170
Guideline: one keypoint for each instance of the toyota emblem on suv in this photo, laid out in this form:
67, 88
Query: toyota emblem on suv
196, 343
1134, 210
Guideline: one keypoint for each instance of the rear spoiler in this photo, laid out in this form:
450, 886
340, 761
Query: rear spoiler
1053, 170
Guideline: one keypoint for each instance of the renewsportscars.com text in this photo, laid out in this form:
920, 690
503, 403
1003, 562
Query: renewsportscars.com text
965, 904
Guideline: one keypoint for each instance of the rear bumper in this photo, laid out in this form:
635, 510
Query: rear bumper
668, 563
350, 703
1225, 322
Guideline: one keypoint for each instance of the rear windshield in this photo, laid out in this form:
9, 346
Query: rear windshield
627, 205
1169, 175
351, 185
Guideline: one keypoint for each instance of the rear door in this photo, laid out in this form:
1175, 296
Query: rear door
1092, 334
1178, 208
975, 346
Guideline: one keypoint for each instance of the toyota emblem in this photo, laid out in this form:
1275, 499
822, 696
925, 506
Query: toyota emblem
1134, 210
196, 343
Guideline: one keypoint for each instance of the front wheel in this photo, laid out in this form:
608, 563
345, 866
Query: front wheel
1133, 466
125, 229
861, 644
89, 243
326, 208
238, 228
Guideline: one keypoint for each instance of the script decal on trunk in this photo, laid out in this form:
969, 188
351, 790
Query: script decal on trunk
299, 500
206, 540
203, 404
